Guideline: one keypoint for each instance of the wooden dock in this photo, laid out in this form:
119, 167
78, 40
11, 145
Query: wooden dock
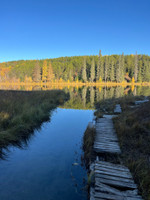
111, 181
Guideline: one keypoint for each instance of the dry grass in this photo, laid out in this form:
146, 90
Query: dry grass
133, 129
88, 141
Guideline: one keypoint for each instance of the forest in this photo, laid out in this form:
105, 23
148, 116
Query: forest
84, 69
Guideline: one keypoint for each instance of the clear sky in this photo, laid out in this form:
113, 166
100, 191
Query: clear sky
36, 29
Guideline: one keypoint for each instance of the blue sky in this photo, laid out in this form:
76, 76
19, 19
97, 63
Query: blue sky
36, 29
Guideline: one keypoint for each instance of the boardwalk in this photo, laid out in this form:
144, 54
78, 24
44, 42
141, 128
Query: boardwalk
111, 181
106, 139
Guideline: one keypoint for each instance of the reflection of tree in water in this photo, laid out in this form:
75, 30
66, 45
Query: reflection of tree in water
119, 92
111, 92
105, 93
135, 91
97, 93
84, 91
92, 96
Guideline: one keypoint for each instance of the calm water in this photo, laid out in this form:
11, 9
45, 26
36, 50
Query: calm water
44, 170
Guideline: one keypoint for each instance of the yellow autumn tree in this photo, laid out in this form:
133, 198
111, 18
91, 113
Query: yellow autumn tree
44, 71
133, 80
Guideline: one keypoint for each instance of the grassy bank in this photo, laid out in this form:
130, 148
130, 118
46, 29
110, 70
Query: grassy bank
22, 112
133, 129
88, 141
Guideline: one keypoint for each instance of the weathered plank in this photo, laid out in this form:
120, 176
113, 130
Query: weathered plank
106, 139
108, 189
115, 183
111, 166
117, 109
115, 197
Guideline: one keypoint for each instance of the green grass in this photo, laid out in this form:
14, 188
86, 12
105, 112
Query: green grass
22, 112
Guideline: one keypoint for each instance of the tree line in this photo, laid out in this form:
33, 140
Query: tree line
112, 68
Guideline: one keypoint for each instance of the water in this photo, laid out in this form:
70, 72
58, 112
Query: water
44, 169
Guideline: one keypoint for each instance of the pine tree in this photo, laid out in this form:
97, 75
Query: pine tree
50, 74
70, 75
119, 71
101, 73
36, 76
112, 72
136, 68
98, 66
139, 75
44, 71
106, 69
84, 75
92, 72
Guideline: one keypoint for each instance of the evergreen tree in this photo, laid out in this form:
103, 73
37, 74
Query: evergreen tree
147, 72
101, 74
98, 66
50, 74
119, 71
44, 71
106, 69
84, 75
122, 64
36, 76
70, 75
92, 72
139, 75
112, 72
136, 68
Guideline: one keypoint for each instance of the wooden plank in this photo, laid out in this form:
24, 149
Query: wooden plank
108, 189
105, 188
115, 197
113, 170
98, 171
115, 178
111, 166
107, 143
110, 148
98, 150
106, 149
119, 184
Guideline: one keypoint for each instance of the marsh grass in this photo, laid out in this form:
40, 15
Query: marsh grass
88, 141
22, 112
133, 129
